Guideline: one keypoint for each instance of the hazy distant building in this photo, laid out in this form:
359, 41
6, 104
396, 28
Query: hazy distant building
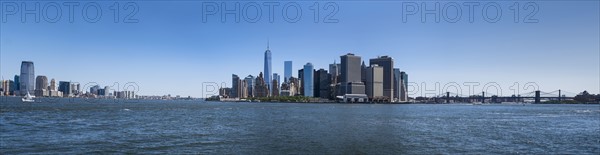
101, 92
41, 86
125, 94
268, 70
307, 80
350, 73
106, 91
388, 74
287, 70
27, 81
374, 85
95, 90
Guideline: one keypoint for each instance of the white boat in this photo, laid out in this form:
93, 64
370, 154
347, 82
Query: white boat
28, 98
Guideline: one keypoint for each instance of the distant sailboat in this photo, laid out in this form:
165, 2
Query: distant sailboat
28, 98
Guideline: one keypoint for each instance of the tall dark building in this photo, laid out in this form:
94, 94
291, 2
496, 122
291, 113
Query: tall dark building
17, 84
65, 88
388, 74
363, 73
235, 86
397, 84
350, 72
301, 80
322, 83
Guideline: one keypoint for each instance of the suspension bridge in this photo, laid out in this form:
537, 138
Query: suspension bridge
533, 96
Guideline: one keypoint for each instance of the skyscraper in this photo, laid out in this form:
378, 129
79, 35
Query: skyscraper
260, 87
300, 81
275, 91
17, 84
388, 74
41, 86
235, 86
397, 84
374, 83
52, 85
363, 73
307, 80
106, 91
65, 88
250, 85
324, 81
268, 71
5, 85
276, 78
27, 81
350, 72
287, 73
404, 87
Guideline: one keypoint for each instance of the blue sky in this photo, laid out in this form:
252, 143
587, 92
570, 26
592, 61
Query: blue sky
172, 51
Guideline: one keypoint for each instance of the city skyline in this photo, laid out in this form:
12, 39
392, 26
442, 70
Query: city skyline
430, 52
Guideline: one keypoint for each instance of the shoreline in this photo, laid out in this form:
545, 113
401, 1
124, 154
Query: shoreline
2, 98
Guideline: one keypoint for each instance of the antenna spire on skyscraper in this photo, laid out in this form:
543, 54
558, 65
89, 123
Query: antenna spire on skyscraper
267, 44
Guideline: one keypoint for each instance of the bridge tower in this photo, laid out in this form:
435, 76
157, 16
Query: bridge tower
482, 97
559, 98
537, 96
447, 97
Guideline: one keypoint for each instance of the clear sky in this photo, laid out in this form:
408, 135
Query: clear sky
171, 50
